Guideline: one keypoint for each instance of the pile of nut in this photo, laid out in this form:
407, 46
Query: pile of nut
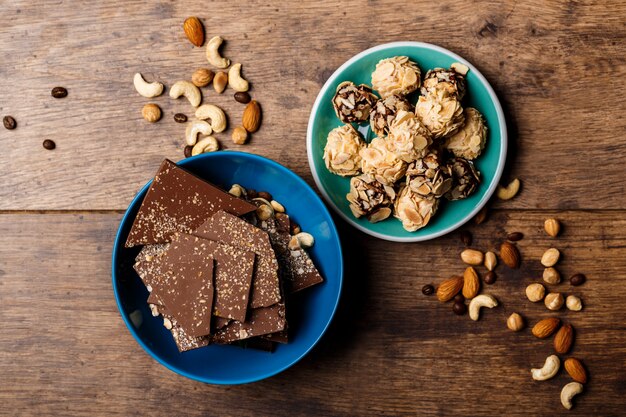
209, 118
422, 152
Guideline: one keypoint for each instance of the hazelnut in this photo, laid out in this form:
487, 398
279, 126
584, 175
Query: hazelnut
554, 301
220, 81
202, 77
535, 292
573, 303
551, 276
240, 135
515, 322
550, 257
151, 112
552, 227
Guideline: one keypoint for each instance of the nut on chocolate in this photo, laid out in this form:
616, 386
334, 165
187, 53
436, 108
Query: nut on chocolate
384, 112
465, 179
353, 103
449, 80
368, 197
427, 177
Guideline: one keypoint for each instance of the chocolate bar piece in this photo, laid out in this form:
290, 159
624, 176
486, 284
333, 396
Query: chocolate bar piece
183, 340
147, 263
233, 272
279, 337
262, 321
179, 201
226, 228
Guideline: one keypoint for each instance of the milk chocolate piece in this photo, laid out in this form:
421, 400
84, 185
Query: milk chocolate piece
183, 340
233, 272
231, 230
179, 201
262, 321
147, 263
279, 337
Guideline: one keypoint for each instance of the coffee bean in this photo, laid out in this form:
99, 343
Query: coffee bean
188, 151
265, 195
428, 289
515, 236
180, 118
9, 122
466, 237
490, 277
49, 144
459, 308
59, 92
577, 279
459, 298
252, 193
243, 97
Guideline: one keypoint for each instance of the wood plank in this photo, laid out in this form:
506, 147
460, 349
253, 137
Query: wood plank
557, 67
390, 350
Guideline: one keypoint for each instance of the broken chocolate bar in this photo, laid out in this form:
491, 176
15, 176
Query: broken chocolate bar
262, 321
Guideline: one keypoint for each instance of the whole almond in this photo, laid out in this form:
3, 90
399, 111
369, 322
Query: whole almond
490, 261
576, 370
194, 30
510, 255
552, 227
472, 257
564, 339
550, 257
202, 77
449, 288
544, 328
471, 283
251, 119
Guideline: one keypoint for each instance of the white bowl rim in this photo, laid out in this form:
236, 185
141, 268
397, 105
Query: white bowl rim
499, 168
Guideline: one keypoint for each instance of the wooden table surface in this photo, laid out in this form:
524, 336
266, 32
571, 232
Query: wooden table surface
558, 68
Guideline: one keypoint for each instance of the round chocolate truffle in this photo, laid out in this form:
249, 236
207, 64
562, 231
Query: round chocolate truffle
353, 103
341, 153
385, 110
368, 197
465, 179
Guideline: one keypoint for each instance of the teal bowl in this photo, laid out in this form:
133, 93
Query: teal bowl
480, 95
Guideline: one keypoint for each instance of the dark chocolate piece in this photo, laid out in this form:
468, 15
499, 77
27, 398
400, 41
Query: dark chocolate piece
147, 263
279, 337
231, 230
262, 321
179, 201
184, 341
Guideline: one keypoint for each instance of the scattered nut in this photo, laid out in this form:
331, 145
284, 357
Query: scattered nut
306, 239
551, 276
136, 318
576, 370
180, 118
145, 88
573, 303
264, 212
151, 112
428, 289
235, 80
204, 145
187, 89
544, 328
563, 339
213, 53
568, 392
515, 322
167, 323
490, 278
549, 369
471, 283
449, 288
481, 216
294, 243
483, 300
554, 301
236, 190
552, 227
9, 123
194, 30
59, 92
577, 279
154, 310
215, 115
510, 255
202, 77
240, 135
277, 206
242, 97
49, 144
535, 292
550, 257
194, 128
472, 257
490, 261
219, 82
515, 236
251, 119
510, 191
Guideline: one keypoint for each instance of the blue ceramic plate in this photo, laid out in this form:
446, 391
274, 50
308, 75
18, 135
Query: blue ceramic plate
309, 312
480, 95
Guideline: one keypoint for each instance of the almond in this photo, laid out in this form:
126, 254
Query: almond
546, 327
194, 30
449, 288
471, 283
510, 255
564, 339
251, 119
576, 370
472, 257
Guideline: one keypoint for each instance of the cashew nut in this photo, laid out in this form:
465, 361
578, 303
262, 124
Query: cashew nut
187, 89
510, 191
194, 129
550, 368
216, 116
147, 89
206, 144
483, 300
213, 53
568, 392
235, 80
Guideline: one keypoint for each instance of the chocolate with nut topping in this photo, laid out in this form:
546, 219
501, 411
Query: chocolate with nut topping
262, 321
384, 111
368, 197
465, 179
353, 103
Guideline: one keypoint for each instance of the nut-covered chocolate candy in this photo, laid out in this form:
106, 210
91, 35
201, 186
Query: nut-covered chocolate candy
469, 141
408, 137
413, 209
341, 153
370, 198
397, 75
385, 110
427, 177
380, 162
465, 179
353, 103
440, 112
452, 80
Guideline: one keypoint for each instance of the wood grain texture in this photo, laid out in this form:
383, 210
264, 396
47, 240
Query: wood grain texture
390, 350
557, 67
